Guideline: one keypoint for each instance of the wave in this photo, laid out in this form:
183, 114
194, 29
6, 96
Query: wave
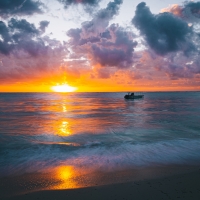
36, 155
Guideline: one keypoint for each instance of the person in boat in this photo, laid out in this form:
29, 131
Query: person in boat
132, 94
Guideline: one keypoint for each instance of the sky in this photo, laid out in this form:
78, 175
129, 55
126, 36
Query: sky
99, 45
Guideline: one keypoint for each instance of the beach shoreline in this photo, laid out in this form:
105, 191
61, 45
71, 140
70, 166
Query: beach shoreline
164, 183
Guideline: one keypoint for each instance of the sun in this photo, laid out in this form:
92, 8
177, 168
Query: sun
63, 88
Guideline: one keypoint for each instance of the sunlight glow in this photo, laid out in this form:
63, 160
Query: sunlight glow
63, 88
65, 175
64, 129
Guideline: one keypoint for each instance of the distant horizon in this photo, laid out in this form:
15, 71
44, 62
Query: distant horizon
107, 91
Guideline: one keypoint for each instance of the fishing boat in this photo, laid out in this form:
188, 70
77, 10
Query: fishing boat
133, 96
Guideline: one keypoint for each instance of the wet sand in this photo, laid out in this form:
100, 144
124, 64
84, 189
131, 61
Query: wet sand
184, 185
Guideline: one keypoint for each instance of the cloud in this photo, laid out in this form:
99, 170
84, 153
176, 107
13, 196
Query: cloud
22, 26
90, 30
19, 7
101, 51
164, 32
67, 3
193, 8
116, 50
43, 25
100, 20
189, 11
20, 66
109, 46
173, 44
4, 33
24, 52
173, 66
22, 35
179, 66
174, 8
19, 34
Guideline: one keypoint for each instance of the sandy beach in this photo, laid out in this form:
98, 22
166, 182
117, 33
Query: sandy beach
184, 185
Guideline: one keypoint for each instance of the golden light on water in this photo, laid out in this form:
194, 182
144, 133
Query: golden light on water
63, 88
61, 127
69, 176
64, 129
65, 175
64, 108
64, 172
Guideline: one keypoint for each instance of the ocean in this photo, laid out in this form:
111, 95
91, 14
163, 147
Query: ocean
63, 139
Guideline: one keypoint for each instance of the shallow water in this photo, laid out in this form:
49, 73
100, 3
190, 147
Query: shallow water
44, 132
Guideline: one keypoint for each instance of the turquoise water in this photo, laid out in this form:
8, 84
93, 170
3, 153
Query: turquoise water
102, 131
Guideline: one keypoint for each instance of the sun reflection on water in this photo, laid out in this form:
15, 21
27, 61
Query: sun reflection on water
66, 177
63, 129
64, 108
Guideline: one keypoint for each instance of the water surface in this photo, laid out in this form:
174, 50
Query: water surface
76, 134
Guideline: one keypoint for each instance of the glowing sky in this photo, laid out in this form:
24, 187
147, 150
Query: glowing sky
99, 45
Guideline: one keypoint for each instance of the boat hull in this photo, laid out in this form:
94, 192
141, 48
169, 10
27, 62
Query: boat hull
133, 97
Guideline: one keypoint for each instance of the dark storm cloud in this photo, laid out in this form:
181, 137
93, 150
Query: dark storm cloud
5, 37
164, 32
174, 34
113, 47
193, 7
19, 7
117, 52
84, 2
4, 31
22, 26
21, 35
103, 44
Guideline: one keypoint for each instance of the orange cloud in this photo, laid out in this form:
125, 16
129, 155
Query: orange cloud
174, 8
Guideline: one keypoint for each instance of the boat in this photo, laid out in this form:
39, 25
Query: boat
133, 96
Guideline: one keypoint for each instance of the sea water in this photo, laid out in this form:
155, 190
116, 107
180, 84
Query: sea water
100, 131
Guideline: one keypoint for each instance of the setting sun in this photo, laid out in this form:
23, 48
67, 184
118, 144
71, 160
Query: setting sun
63, 88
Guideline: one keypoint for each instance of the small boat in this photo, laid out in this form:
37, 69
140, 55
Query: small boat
133, 96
